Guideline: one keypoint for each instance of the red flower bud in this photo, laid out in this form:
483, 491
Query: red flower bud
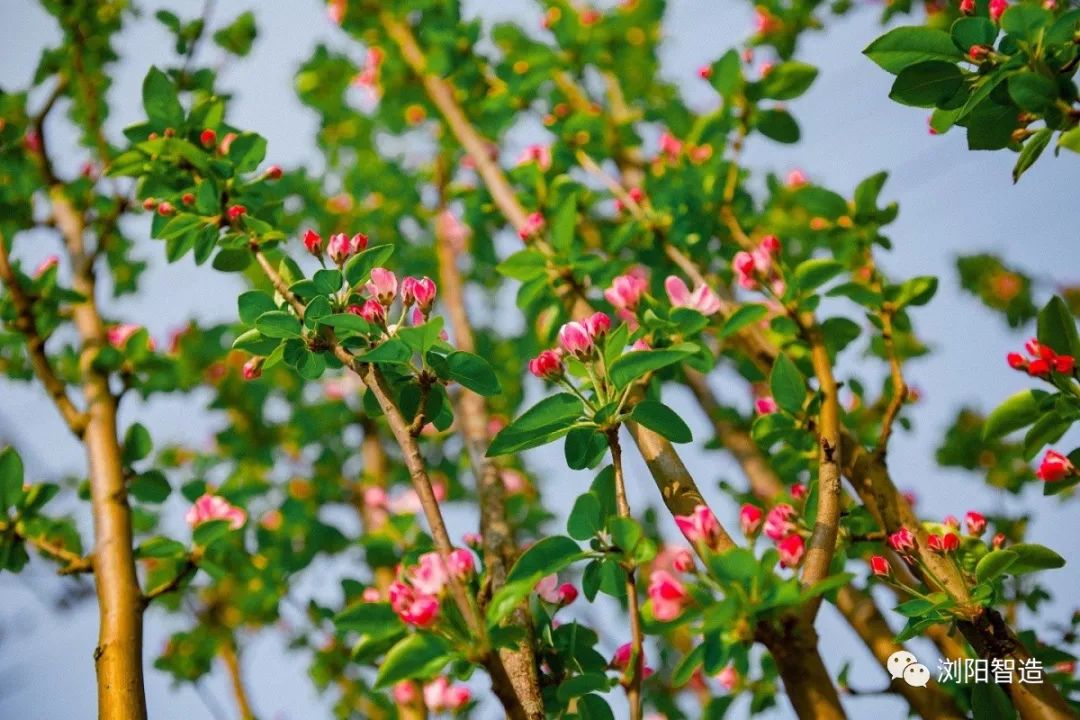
547, 365
165, 208
880, 566
951, 542
208, 138
187, 199
313, 242
976, 523
274, 172
149, 203
235, 211
1016, 361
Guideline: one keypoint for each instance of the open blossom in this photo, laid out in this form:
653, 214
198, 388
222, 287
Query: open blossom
791, 550
765, 405
750, 517
539, 154
534, 223
702, 299
575, 339
1054, 467
700, 526
384, 285
880, 566
547, 365
430, 574
213, 507
902, 541
626, 290
597, 324
667, 594
778, 522
422, 292
462, 563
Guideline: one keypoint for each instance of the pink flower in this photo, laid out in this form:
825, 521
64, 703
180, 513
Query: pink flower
728, 677
118, 335
415, 609
667, 595
575, 339
46, 265
548, 589
383, 285
750, 519
534, 223
513, 481
770, 244
791, 550
798, 491
547, 365
702, 299
456, 697
462, 563
371, 594
405, 692
429, 575
373, 311
621, 659
778, 523
975, 522
213, 507
313, 242
765, 405
670, 146
473, 540
375, 497
880, 566
626, 290
539, 154
1054, 467
796, 179
903, 541
700, 526
421, 291
967, 7
339, 248
597, 324
997, 9
434, 693
452, 230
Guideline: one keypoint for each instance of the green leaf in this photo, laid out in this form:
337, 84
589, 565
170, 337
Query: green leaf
368, 618
389, 352
253, 342
473, 372
586, 518
968, 31
11, 478
926, 84
1032, 558
905, 46
661, 419
358, 268
161, 547
1070, 140
632, 365
523, 265
745, 315
584, 447
1026, 21
417, 656
1030, 152
594, 707
915, 291
231, 260
994, 564
278, 324
548, 420
160, 100
327, 280
544, 557
252, 304
787, 385
788, 80
1057, 329
137, 443
821, 201
686, 667
726, 76
777, 125
207, 532
150, 487
581, 684
562, 227
346, 322
988, 700
814, 273
1032, 91
1018, 411
237, 36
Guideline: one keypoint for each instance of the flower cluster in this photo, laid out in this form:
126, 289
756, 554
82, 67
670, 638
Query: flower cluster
438, 694
576, 339
417, 601
1042, 361
757, 267
779, 525
213, 507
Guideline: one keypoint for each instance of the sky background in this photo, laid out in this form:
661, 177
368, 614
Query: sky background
952, 201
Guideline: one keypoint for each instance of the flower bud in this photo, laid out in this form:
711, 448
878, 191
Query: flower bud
235, 212
547, 365
880, 566
208, 138
383, 285
313, 242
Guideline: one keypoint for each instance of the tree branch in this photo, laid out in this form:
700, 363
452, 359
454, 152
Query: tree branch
637, 654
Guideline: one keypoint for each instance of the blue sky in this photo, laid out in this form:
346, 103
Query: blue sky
952, 201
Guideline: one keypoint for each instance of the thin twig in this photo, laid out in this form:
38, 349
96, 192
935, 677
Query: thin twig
637, 655
899, 387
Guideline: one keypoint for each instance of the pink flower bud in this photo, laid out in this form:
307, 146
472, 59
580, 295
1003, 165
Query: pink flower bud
967, 7
313, 242
778, 524
339, 248
165, 208
667, 594
575, 339
534, 223
700, 527
670, 146
999, 541
770, 244
118, 335
46, 265
880, 566
383, 285
421, 292
274, 172
975, 522
682, 560
374, 312
461, 563
621, 659
903, 541
791, 550
1054, 467
547, 365
728, 677
997, 9
796, 179
567, 593
212, 507
405, 692
253, 368
625, 291
765, 405
1016, 361
750, 517
539, 154
371, 594
430, 574
598, 325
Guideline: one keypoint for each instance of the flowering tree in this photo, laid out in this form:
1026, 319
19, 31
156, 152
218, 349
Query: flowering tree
368, 367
